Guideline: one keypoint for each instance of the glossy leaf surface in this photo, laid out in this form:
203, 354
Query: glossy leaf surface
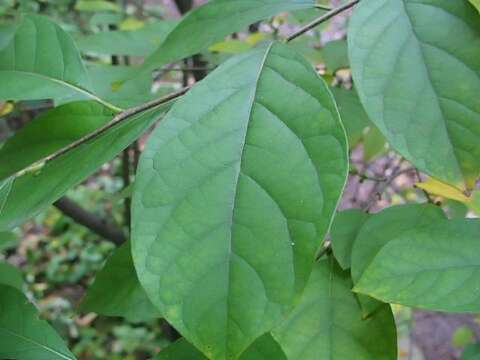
433, 267
416, 66
234, 194
116, 290
22, 335
327, 324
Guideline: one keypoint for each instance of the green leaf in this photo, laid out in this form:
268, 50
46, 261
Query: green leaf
212, 22
10, 276
22, 335
53, 179
373, 144
139, 42
264, 348
41, 62
471, 352
419, 81
116, 290
180, 350
476, 3
335, 54
462, 337
234, 194
327, 324
433, 267
7, 239
96, 6
381, 228
49, 132
345, 227
352, 113
132, 93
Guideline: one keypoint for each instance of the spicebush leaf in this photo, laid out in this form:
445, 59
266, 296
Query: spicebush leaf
352, 113
345, 227
7, 239
471, 352
53, 179
116, 290
264, 348
335, 54
41, 61
49, 132
379, 229
22, 335
212, 22
327, 324
10, 276
139, 42
234, 194
416, 66
432, 267
133, 92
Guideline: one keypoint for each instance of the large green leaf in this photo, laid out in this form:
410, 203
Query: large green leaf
433, 267
344, 231
22, 335
116, 290
327, 324
234, 194
471, 352
352, 113
49, 132
379, 229
416, 65
41, 61
10, 276
264, 348
211, 22
139, 42
17, 200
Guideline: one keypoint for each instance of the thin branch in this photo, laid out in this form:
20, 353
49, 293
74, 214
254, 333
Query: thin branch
323, 7
90, 220
124, 115
321, 19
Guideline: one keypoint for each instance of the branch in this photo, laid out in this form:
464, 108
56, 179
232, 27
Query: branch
90, 220
321, 19
124, 115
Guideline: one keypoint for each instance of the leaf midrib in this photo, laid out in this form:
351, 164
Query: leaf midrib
236, 181
24, 338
